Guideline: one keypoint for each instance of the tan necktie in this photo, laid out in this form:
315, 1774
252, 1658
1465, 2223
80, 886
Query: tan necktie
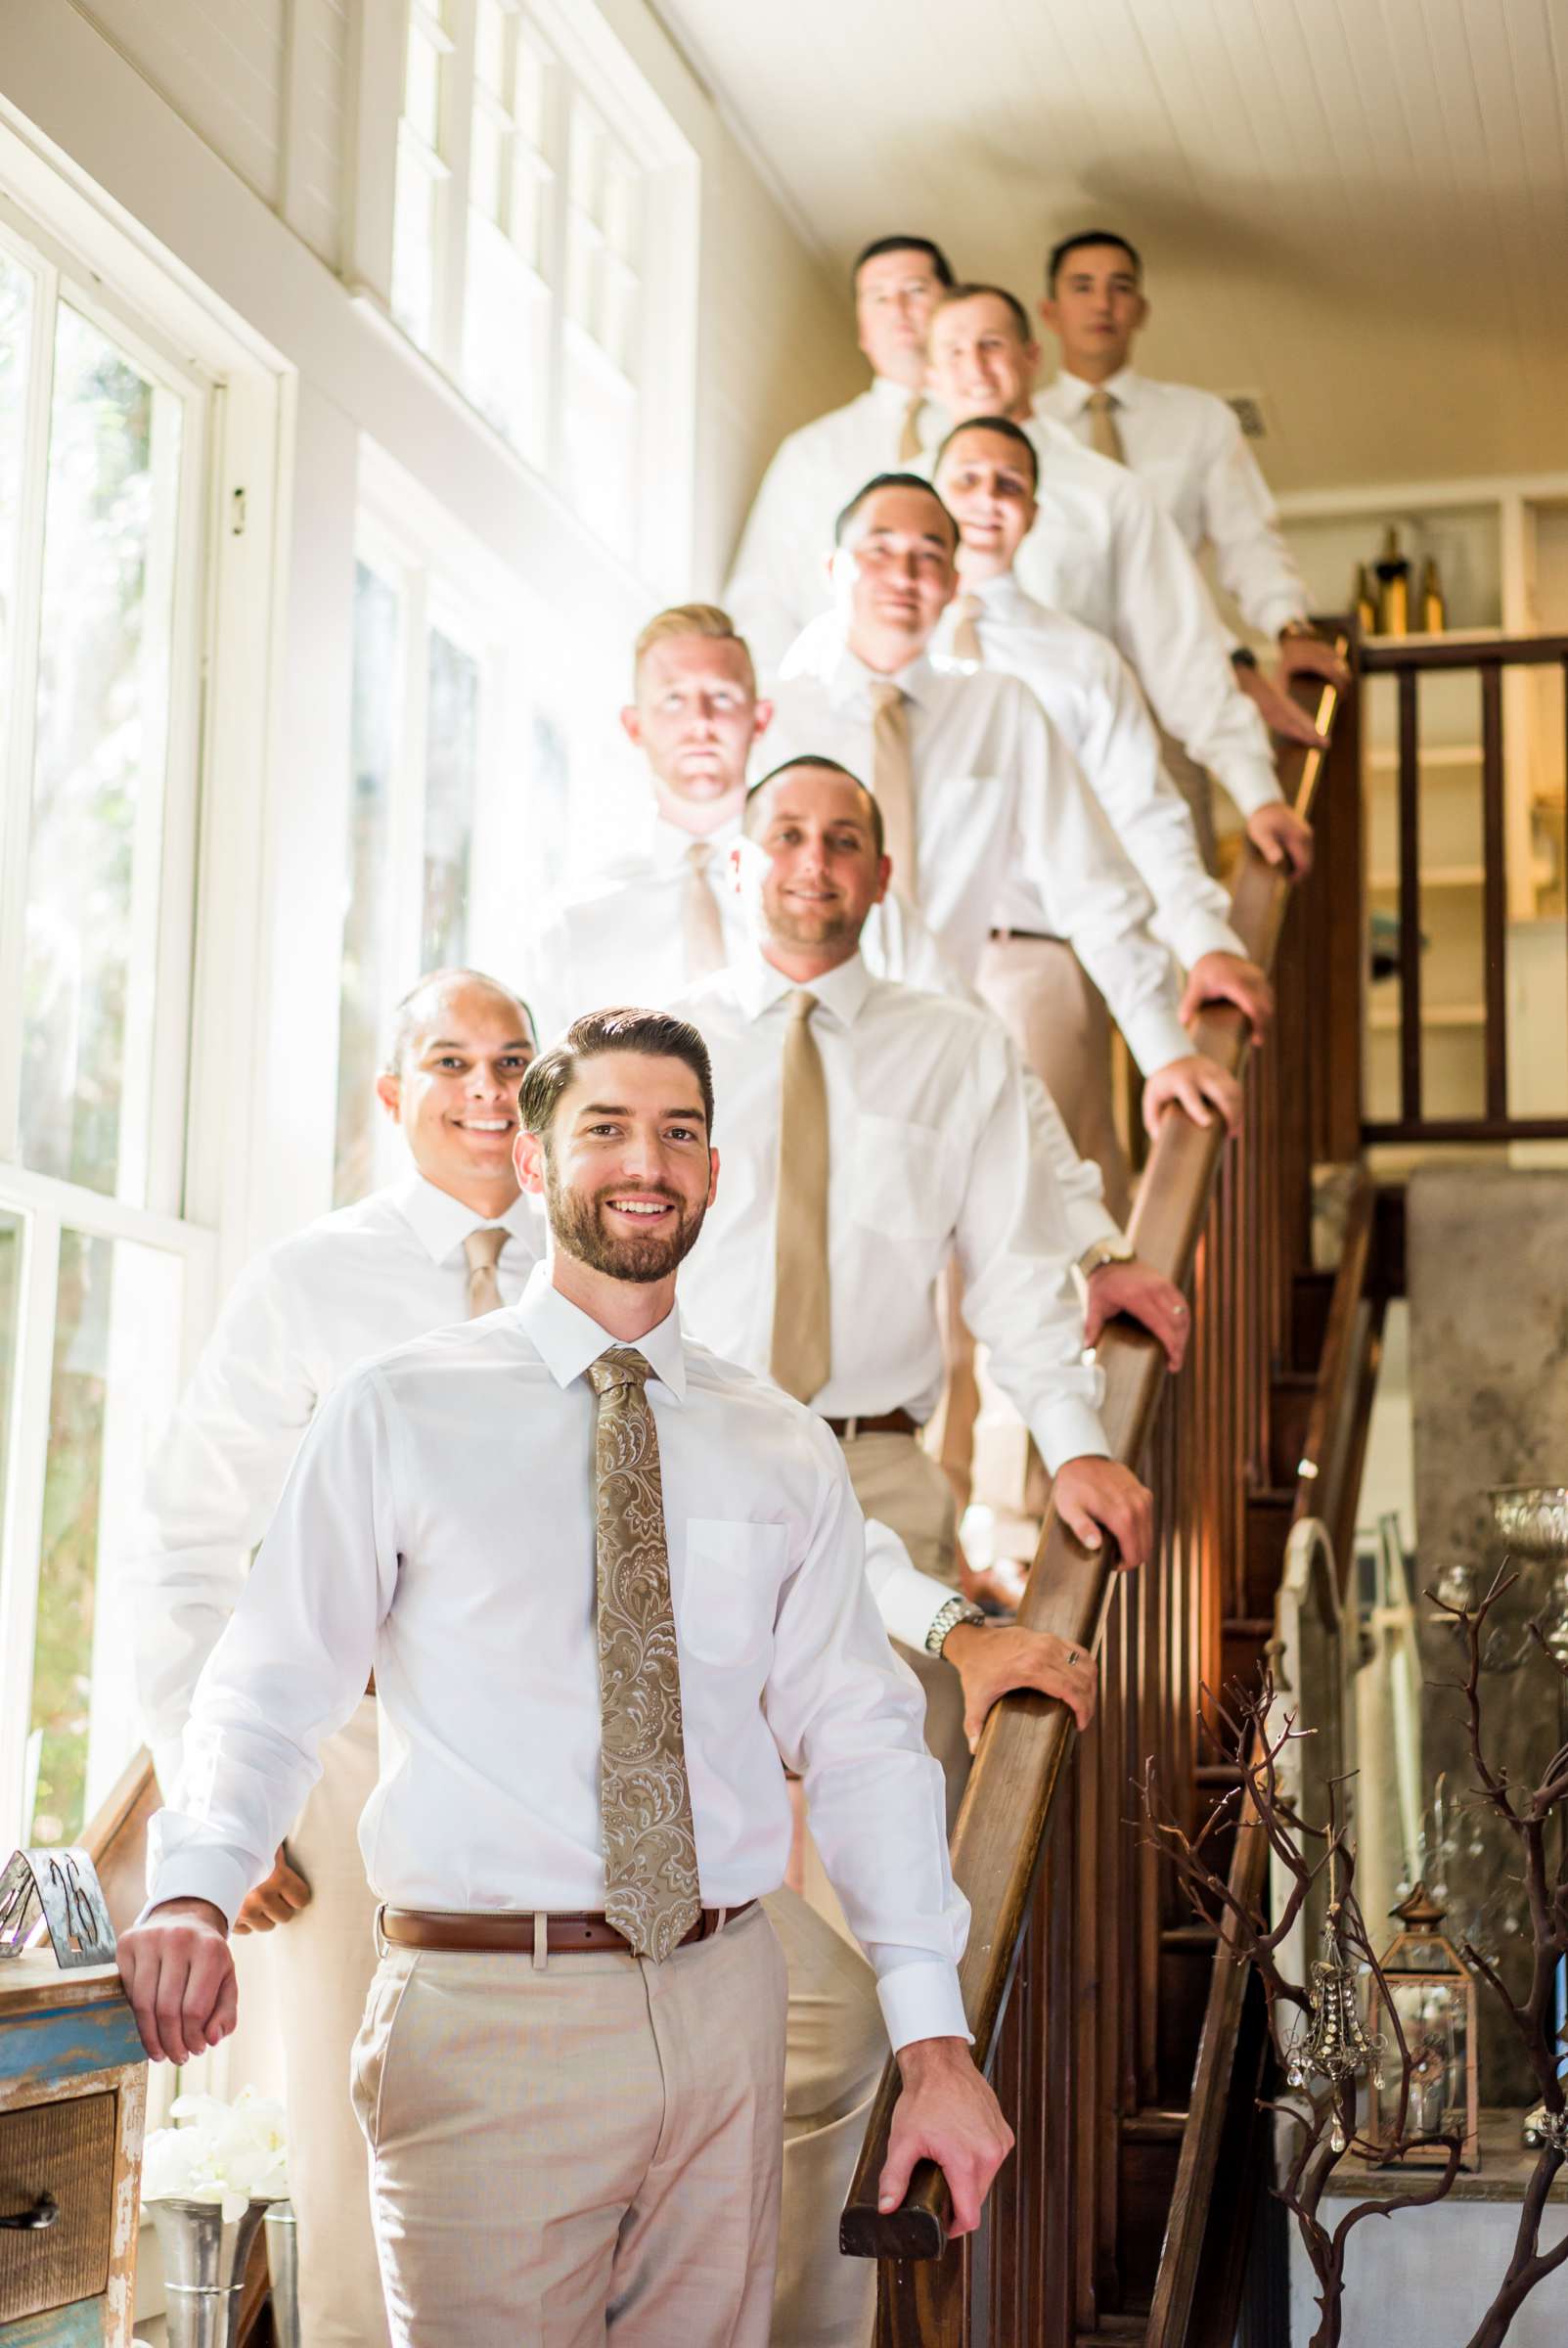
966, 645
909, 440
652, 1894
802, 1353
700, 914
483, 1247
893, 781
1104, 438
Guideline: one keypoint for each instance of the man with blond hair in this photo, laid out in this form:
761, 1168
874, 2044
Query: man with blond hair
453, 1236
663, 915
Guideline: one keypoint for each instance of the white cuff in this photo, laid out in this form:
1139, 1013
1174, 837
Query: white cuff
909, 1601
198, 1874
1089, 1220
1154, 1035
1199, 933
1251, 783
922, 2000
1068, 1430
1275, 612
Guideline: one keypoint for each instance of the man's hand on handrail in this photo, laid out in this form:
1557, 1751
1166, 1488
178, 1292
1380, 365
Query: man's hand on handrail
992, 1660
1197, 1084
1303, 655
1279, 713
1281, 838
1093, 1497
1144, 1296
1228, 979
945, 2112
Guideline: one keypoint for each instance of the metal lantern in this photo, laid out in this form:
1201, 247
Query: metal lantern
1433, 1994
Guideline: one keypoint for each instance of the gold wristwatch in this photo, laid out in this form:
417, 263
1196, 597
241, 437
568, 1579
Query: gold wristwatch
1100, 1252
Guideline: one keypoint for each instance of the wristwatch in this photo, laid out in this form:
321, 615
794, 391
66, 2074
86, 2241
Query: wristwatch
947, 1618
1104, 1251
1243, 656
1298, 627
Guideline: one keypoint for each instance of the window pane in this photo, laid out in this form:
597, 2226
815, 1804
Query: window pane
487, 165
414, 233
451, 774
116, 1368
16, 344
422, 94
506, 342
10, 1298
95, 841
490, 48
367, 943
598, 424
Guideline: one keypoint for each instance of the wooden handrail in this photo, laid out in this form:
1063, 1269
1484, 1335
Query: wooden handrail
1404, 655
1327, 1480
1006, 1813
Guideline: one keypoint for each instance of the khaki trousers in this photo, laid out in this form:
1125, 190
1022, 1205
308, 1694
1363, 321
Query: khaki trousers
1196, 785
321, 1964
582, 2149
1056, 1017
836, 2048
896, 1482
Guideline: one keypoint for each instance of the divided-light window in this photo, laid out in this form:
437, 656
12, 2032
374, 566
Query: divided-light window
102, 497
518, 241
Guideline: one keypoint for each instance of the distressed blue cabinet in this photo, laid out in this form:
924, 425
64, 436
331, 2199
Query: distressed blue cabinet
73, 2104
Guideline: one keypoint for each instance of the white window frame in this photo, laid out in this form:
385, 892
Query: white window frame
660, 373
227, 584
446, 582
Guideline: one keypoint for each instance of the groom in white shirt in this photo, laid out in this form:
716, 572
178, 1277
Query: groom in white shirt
453, 1235
605, 1582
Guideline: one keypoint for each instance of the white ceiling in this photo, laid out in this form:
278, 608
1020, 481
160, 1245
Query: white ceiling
1358, 208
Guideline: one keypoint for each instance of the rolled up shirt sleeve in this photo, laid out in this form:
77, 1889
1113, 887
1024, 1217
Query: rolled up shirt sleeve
907, 1601
849, 1716
291, 1663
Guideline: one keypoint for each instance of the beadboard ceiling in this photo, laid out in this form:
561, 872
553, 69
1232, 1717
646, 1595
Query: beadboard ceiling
1357, 208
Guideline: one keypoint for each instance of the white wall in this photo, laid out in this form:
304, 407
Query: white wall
219, 134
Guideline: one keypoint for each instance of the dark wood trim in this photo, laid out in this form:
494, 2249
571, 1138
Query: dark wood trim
1388, 655
1409, 901
1466, 1129
1495, 900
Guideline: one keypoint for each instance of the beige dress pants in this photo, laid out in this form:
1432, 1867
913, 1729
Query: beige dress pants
322, 1965
896, 1482
578, 2150
1057, 1016
836, 2049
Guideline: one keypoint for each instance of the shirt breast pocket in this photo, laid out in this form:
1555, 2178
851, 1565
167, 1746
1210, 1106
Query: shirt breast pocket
730, 1588
900, 1183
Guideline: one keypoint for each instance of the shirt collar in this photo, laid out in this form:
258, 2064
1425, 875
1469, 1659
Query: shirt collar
849, 679
889, 394
759, 985
670, 845
441, 1223
1076, 393
566, 1338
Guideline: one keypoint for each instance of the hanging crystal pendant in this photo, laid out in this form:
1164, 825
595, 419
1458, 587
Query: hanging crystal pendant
1333, 2045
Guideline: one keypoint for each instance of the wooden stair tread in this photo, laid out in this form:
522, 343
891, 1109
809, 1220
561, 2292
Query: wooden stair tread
1154, 2127
1200, 1937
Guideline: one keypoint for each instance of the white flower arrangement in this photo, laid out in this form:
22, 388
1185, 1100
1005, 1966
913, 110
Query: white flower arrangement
232, 2154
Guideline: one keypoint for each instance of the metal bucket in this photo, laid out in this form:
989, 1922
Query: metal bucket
205, 2261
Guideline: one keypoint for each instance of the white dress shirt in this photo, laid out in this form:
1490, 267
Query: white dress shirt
1104, 550
1091, 696
352, 1284
934, 1153
439, 1525
621, 936
779, 579
1190, 449
996, 790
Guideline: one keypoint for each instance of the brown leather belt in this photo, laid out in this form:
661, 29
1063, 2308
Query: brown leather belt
475, 1932
1029, 937
883, 1422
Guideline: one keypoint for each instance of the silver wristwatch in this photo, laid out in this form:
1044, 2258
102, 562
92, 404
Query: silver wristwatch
947, 1618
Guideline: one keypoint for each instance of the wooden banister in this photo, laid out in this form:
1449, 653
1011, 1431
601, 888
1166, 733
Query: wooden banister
1197, 1226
